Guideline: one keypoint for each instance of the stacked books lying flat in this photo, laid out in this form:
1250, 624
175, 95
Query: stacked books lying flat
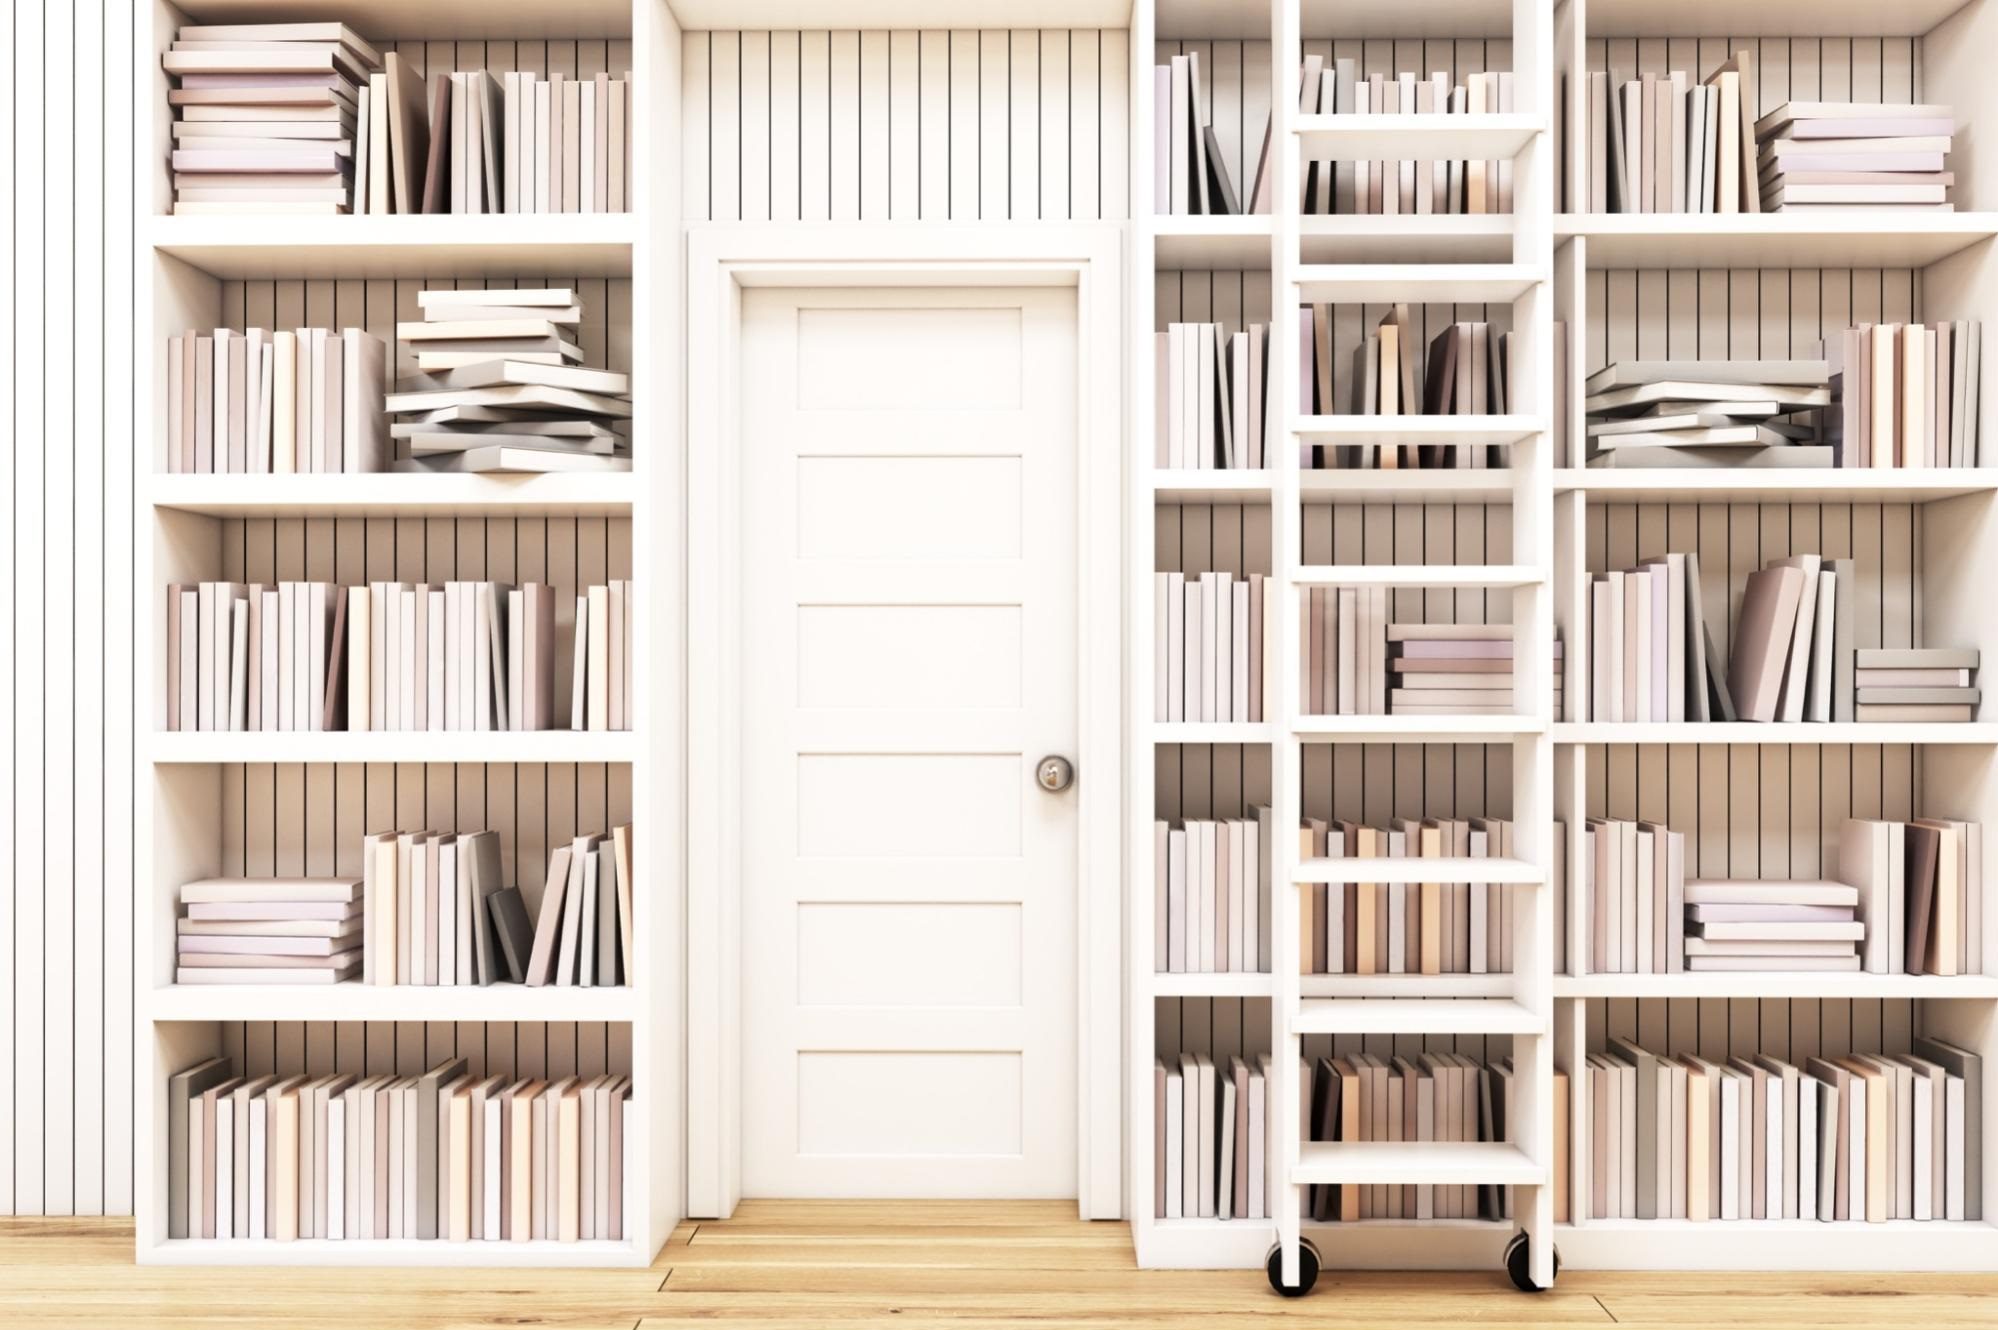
1213, 657
1406, 927
1213, 1149
257, 402
1344, 650
357, 1156
1770, 925
1212, 894
1708, 413
281, 930
1919, 889
440, 914
1658, 143
1464, 373
1847, 155
1455, 669
502, 387
1907, 394
265, 116
1213, 390
1915, 683
253, 656
519, 143
1189, 171
1390, 188
1418, 1097
1633, 875
1864, 1137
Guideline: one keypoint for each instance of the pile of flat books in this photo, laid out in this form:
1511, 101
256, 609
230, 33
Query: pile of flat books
1707, 413
1771, 925
1189, 171
502, 387
1633, 875
277, 930
1915, 684
1212, 881
1213, 394
265, 116
1920, 883
1406, 927
1907, 394
1462, 669
1848, 155
1393, 187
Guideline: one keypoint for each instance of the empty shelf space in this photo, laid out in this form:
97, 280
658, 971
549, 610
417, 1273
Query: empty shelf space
1778, 485
1515, 871
1410, 1013
1417, 284
1402, 486
1228, 243
1421, 138
1467, 430
1415, 729
1908, 239
1501, 577
1443, 1163
1422, 238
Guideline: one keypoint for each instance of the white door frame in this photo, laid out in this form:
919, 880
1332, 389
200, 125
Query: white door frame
721, 262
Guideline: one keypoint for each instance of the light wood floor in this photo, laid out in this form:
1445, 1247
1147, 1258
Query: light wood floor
810, 1265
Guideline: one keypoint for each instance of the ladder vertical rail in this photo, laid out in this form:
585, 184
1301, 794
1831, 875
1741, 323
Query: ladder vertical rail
1533, 620
1286, 57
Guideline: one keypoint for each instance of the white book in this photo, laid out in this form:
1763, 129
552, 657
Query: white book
1178, 845
1818, 694
1954, 1145
1225, 1198
1209, 1138
1856, 1147
492, 1169
225, 1173
1923, 1148
1175, 1135
258, 1120
1258, 1135
1730, 1144
336, 1167
1807, 1146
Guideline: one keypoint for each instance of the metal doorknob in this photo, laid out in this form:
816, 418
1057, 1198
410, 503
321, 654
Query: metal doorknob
1055, 774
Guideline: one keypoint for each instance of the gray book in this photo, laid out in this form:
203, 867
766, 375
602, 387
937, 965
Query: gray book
1646, 1064
183, 1086
1697, 708
428, 1089
605, 972
507, 916
480, 852
1962, 1062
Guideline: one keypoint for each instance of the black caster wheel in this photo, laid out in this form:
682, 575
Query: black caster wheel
1518, 1264
1307, 1269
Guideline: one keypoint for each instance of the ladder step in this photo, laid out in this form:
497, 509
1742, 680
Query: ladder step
1416, 283
1516, 871
1468, 430
1413, 1015
1493, 576
1440, 1163
1411, 137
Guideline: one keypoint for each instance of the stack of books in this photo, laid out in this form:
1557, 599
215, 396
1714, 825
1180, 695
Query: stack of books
1455, 669
1920, 888
1212, 893
1345, 650
446, 1155
1907, 394
1633, 875
1864, 1137
1847, 155
601, 680
455, 656
1707, 413
1464, 372
1213, 391
280, 930
1212, 1156
1792, 653
257, 402
1213, 661
441, 914
1189, 173
1770, 925
1391, 188
1651, 655
265, 116
1661, 143
253, 656
1915, 684
1401, 927
502, 387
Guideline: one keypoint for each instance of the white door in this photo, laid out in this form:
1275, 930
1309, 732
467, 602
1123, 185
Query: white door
909, 602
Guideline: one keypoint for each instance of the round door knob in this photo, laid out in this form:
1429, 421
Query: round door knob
1055, 774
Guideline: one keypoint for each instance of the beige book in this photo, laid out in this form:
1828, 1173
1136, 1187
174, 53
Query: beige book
520, 1102
1763, 637
572, 146
458, 1154
598, 659
1879, 1154
1913, 394
283, 1154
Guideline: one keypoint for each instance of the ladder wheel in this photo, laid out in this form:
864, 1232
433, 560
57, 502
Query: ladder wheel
1519, 1264
1307, 1269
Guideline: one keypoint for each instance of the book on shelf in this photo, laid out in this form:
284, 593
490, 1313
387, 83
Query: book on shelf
1455, 669
1906, 395
1632, 874
257, 402
1707, 412
1190, 173
1212, 1143
269, 931
443, 1156
1854, 155
1920, 890
601, 677
1212, 397
252, 656
1212, 657
1212, 895
1403, 187
1343, 649
1651, 657
1464, 370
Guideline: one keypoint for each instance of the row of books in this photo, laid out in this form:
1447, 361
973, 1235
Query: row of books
1212, 895
1189, 173
460, 656
1663, 143
1918, 886
1906, 394
441, 915
1446, 1097
1633, 876
1651, 655
445, 1156
269, 931
1213, 1138
252, 656
1761, 413
1393, 188
1465, 372
258, 402
1343, 650
1212, 658
1847, 155
1406, 928
1213, 397
1863, 1137
501, 386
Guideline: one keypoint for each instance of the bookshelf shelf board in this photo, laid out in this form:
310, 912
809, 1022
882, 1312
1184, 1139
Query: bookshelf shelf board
1779, 485
1407, 987
1419, 138
618, 746
1448, 486
1744, 732
1467, 430
1414, 283
1500, 577
403, 494
587, 245
1212, 985
1790, 18
1211, 732
1775, 1244
1411, 1014
382, 20
1213, 486
1228, 243
391, 1252
1423, 238
1774, 240
375, 1002
1415, 729
1776, 985
1449, 1163
1511, 871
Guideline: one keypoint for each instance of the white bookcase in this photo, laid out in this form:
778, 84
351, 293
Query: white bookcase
220, 804
1754, 800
